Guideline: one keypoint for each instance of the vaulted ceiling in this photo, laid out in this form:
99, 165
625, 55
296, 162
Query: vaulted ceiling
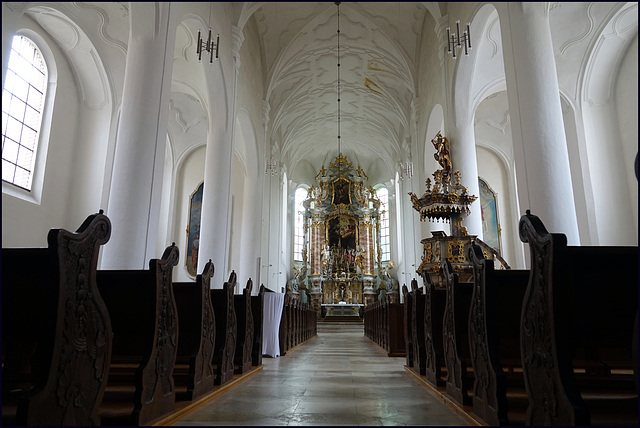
376, 49
379, 61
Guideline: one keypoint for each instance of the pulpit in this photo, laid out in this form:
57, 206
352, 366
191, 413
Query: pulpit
448, 200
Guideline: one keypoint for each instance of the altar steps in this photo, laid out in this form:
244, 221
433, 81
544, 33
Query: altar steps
342, 318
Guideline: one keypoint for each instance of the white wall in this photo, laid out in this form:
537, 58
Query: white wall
626, 105
237, 208
26, 223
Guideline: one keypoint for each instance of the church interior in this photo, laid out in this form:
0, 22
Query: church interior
333, 152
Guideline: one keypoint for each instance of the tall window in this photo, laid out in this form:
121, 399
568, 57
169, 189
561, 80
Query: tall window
22, 103
298, 233
385, 247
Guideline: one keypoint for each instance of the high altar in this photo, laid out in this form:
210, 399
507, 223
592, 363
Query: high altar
341, 257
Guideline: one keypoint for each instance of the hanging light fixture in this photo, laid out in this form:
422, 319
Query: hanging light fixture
209, 46
271, 166
339, 150
340, 157
458, 41
406, 170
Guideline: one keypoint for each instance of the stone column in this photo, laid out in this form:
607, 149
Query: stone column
136, 185
540, 148
458, 75
463, 158
215, 229
215, 224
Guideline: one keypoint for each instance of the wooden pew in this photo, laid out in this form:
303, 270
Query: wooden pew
292, 326
144, 319
297, 328
56, 331
193, 372
244, 317
394, 329
257, 310
435, 302
579, 315
226, 330
408, 326
384, 324
494, 339
369, 320
455, 325
417, 330
283, 334
383, 320
312, 317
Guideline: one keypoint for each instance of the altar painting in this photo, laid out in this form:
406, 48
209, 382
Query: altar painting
341, 192
490, 224
193, 230
341, 232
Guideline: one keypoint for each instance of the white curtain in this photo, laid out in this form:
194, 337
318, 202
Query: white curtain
273, 304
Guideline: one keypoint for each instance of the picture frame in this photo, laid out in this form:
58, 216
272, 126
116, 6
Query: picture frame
193, 231
490, 223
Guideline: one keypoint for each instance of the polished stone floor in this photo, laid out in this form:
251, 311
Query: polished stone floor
338, 377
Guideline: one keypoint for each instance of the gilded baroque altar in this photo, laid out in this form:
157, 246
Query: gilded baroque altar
341, 256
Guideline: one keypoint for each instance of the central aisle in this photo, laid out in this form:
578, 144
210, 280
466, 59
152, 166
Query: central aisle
338, 377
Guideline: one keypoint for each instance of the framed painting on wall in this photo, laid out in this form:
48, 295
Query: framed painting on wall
490, 224
193, 231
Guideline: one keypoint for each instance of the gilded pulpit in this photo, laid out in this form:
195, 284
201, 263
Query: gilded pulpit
447, 200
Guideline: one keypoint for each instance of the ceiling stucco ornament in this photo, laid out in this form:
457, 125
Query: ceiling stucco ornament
58, 26
584, 35
109, 26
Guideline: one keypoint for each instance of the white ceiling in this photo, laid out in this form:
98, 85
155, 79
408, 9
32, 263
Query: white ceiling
379, 57
378, 43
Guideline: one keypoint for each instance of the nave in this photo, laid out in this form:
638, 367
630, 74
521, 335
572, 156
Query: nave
339, 377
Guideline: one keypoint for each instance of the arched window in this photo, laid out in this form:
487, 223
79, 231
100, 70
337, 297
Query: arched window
385, 247
298, 233
22, 105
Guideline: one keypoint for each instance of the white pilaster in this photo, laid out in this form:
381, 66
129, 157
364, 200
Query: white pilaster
215, 224
251, 217
135, 194
542, 160
215, 230
464, 159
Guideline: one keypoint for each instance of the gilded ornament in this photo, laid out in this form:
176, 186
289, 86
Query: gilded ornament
455, 252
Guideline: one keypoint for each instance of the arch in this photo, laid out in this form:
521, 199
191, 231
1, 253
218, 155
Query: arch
609, 157
465, 71
206, 80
